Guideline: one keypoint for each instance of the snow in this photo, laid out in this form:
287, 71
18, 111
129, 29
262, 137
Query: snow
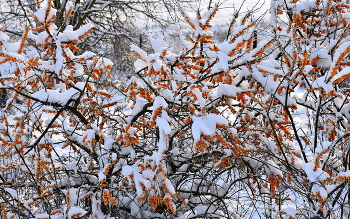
59, 57
254, 162
304, 6
164, 131
12, 192
167, 95
344, 72
325, 60
223, 60
135, 210
83, 29
268, 82
330, 187
12, 48
139, 51
108, 142
69, 5
273, 15
228, 90
140, 64
54, 96
290, 210
138, 107
346, 174
199, 97
42, 216
206, 125
186, 43
226, 47
321, 83
154, 62
73, 196
148, 174
76, 210
272, 66
201, 209
169, 186
272, 168
68, 34
316, 188
40, 14
314, 176
340, 50
163, 124
158, 43
159, 102
4, 37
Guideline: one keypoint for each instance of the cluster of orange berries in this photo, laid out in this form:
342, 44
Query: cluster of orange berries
108, 198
